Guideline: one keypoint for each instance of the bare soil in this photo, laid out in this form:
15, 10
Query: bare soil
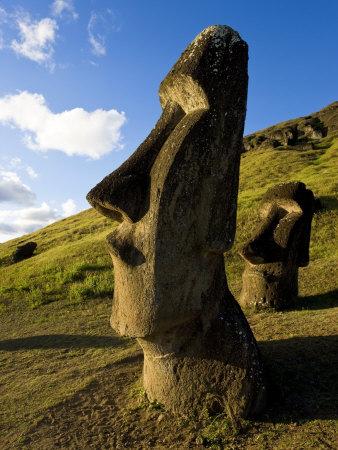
111, 412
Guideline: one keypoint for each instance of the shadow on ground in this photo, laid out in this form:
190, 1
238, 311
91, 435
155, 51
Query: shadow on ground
327, 202
320, 301
55, 341
303, 378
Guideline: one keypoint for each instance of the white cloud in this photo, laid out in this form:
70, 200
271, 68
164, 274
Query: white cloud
14, 223
31, 172
3, 20
68, 207
36, 39
96, 40
74, 132
97, 45
13, 190
60, 7
15, 162
100, 25
3, 15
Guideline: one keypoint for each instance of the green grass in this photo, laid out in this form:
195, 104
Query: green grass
71, 263
55, 337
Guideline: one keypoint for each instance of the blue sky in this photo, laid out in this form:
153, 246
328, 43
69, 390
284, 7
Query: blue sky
79, 81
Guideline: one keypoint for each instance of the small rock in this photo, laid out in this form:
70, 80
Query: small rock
24, 251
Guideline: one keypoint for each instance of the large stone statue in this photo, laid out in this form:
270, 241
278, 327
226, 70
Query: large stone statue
175, 199
279, 246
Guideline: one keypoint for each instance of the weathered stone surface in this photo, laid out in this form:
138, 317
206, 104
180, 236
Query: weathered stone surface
279, 246
176, 199
24, 251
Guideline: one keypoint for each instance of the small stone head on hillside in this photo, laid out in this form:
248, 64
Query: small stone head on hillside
279, 247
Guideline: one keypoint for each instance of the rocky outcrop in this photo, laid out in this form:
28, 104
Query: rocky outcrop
176, 199
299, 133
278, 247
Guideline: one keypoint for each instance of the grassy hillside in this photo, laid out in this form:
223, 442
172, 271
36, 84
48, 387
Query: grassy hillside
68, 381
301, 133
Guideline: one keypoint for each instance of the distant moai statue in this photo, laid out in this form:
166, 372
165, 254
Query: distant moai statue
176, 201
279, 246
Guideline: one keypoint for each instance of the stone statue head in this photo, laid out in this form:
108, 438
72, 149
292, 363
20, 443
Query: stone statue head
175, 198
283, 234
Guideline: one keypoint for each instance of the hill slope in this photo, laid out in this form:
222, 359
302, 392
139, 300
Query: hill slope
59, 356
300, 133
71, 253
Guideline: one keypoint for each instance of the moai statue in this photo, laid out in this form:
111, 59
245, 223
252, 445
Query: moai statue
176, 199
279, 246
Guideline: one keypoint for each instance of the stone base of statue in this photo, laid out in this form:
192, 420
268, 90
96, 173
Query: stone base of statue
263, 290
211, 364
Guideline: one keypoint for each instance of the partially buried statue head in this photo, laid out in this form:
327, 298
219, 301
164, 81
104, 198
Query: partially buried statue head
279, 246
176, 199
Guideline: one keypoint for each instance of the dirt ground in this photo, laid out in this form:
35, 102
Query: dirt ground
83, 391
112, 413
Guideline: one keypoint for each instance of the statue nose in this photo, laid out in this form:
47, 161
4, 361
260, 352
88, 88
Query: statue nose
262, 248
124, 194
121, 196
